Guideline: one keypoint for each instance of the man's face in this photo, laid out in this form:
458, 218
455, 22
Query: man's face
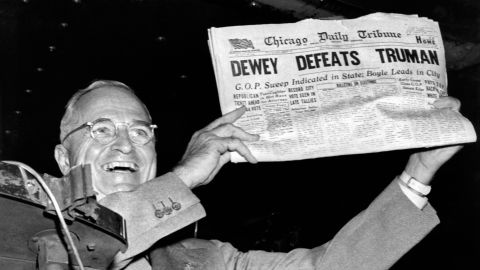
119, 165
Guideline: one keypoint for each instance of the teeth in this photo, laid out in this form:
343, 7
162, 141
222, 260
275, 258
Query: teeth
120, 164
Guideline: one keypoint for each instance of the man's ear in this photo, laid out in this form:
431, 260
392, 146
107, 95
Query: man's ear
61, 156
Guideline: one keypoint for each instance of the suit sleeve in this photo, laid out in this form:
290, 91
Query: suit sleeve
157, 208
374, 239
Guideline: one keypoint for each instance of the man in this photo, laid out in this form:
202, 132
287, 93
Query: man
107, 126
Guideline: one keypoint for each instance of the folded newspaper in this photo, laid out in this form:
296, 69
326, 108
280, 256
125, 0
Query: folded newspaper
320, 88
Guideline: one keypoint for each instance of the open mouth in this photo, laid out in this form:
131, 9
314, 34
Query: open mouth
120, 167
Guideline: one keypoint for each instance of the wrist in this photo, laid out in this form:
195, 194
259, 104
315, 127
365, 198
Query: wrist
418, 170
181, 173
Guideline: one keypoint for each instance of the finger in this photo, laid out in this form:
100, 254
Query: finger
227, 118
447, 102
235, 145
230, 130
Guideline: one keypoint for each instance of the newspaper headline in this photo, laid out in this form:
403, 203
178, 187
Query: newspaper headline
320, 88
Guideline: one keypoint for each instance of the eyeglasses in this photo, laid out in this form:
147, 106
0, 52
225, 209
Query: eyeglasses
104, 131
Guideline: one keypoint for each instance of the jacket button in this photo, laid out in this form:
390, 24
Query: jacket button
167, 210
159, 213
176, 206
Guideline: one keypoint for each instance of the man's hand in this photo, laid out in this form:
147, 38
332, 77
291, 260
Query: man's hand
209, 149
423, 165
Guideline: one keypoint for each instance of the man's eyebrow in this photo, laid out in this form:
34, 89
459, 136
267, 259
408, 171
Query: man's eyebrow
106, 117
142, 121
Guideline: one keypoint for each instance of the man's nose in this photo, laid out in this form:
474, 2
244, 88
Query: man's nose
122, 142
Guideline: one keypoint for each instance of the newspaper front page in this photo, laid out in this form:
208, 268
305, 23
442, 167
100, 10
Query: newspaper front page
320, 88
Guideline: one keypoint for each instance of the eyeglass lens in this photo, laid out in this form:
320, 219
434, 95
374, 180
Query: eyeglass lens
105, 131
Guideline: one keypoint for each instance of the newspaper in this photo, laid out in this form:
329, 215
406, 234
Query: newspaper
320, 88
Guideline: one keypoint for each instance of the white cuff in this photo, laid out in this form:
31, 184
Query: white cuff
414, 184
420, 202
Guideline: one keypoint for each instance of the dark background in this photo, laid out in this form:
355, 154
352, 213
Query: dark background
51, 48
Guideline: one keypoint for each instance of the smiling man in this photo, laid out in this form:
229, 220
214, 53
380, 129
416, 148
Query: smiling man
107, 126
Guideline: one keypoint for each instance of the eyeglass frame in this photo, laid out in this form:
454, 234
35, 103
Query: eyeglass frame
90, 124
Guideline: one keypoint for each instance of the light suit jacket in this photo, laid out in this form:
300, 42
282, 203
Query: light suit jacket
156, 209
374, 239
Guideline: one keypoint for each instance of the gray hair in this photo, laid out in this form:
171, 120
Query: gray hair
72, 117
